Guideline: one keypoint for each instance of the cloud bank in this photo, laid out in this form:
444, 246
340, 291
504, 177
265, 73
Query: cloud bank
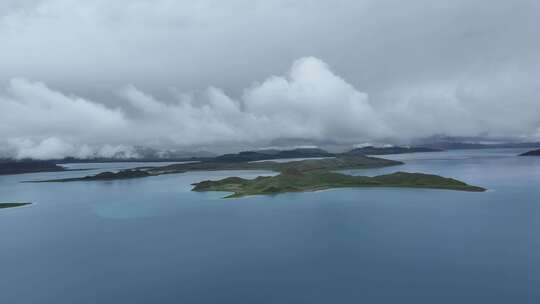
98, 77
310, 102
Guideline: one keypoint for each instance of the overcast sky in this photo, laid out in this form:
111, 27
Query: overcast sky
98, 76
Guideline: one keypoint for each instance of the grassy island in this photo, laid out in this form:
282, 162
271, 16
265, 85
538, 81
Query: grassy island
294, 176
294, 180
12, 205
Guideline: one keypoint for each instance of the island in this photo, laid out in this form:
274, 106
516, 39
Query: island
14, 166
294, 176
12, 205
531, 153
294, 180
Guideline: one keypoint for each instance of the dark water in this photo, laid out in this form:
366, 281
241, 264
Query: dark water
153, 241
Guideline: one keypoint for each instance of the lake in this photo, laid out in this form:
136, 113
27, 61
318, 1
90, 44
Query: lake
152, 240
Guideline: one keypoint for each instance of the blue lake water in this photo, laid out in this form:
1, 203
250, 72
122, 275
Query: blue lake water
152, 240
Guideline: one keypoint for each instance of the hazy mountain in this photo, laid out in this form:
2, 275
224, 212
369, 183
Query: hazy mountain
454, 143
371, 150
272, 154
27, 166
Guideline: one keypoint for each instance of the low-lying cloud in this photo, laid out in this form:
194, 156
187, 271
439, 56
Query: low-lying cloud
98, 77
310, 102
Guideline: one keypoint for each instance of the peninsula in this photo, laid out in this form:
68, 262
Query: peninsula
12, 205
531, 153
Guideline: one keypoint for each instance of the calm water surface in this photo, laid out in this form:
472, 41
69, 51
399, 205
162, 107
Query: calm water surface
152, 240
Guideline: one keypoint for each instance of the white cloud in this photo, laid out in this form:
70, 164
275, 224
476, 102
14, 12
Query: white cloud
310, 102
48, 148
31, 108
505, 105
313, 102
457, 67
306, 103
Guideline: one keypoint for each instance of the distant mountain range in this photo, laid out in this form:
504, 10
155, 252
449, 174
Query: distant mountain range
149, 153
9, 166
465, 146
142, 155
247, 156
27, 166
371, 150
463, 143
314, 152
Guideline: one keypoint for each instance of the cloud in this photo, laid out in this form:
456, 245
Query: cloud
31, 110
96, 46
399, 70
48, 148
313, 102
302, 104
310, 102
38, 122
504, 105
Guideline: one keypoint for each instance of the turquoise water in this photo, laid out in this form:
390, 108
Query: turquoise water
152, 240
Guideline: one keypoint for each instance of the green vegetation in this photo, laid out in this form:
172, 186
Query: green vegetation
295, 176
336, 163
294, 180
328, 164
247, 156
12, 205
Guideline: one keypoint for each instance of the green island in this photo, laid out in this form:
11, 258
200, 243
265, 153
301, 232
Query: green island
293, 180
12, 205
294, 176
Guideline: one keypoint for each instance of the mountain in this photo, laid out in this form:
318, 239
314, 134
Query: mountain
465, 146
150, 153
247, 156
371, 150
531, 153
27, 166
73, 160
142, 154
462, 143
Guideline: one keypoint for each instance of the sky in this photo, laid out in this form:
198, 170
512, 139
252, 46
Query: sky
98, 77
